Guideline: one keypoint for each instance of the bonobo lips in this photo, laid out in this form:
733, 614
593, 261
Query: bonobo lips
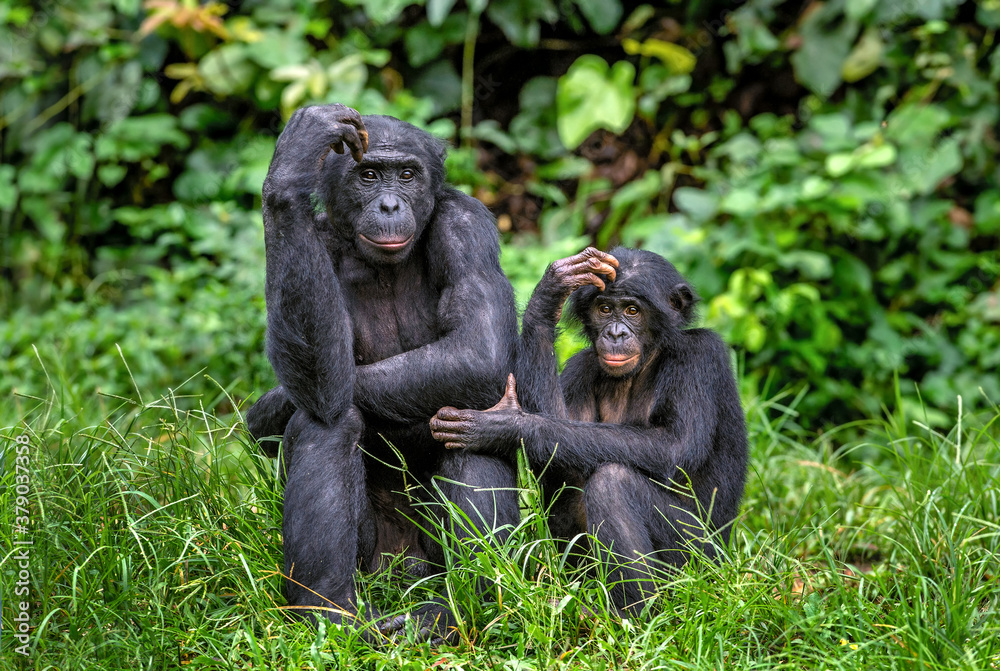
387, 245
617, 360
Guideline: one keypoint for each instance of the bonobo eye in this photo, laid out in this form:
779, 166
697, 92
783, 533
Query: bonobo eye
369, 175
406, 175
632, 311
604, 309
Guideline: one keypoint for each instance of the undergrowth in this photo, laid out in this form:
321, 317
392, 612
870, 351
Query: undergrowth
156, 545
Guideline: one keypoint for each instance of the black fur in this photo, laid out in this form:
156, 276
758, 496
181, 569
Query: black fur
652, 441
381, 309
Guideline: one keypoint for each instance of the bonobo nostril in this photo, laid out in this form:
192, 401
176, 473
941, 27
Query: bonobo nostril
617, 331
389, 204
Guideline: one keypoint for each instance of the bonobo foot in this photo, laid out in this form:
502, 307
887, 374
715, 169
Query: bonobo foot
434, 622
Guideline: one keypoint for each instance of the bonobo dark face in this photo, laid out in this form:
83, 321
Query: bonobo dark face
383, 203
620, 332
394, 190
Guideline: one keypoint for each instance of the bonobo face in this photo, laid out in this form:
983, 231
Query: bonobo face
382, 204
620, 332
396, 199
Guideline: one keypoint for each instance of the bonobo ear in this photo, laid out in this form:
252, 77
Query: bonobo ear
683, 299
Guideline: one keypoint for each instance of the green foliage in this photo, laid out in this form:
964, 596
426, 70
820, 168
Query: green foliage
591, 96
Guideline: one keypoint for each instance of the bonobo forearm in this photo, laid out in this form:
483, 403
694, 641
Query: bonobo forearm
582, 447
451, 372
536, 368
545, 306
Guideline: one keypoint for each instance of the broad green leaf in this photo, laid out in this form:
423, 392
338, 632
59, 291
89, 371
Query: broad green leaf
815, 187
602, 15
519, 19
987, 215
698, 204
226, 70
865, 58
813, 265
916, 124
858, 9
382, 11
592, 96
870, 156
740, 202
943, 162
826, 42
424, 41
839, 164
8, 191
437, 11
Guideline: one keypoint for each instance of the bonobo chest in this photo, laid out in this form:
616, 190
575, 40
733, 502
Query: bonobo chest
625, 401
393, 309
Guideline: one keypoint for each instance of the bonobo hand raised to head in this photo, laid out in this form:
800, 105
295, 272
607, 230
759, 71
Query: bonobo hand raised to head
645, 426
382, 306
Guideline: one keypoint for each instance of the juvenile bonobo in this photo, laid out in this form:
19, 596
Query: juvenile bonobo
383, 305
645, 426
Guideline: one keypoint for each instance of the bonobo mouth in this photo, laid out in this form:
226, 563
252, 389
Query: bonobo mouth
387, 245
618, 360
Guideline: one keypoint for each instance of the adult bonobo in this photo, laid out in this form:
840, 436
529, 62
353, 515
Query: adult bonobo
645, 426
382, 306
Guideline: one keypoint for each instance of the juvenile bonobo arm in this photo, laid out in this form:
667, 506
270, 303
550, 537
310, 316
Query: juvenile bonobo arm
476, 314
309, 337
536, 370
680, 435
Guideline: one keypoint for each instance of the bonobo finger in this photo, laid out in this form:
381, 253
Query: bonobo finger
354, 136
394, 625
593, 252
446, 430
603, 267
360, 129
591, 265
581, 275
591, 278
451, 414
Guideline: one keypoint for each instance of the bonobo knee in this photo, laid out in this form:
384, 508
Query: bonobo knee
612, 484
303, 430
477, 470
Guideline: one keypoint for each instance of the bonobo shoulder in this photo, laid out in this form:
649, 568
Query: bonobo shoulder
463, 226
707, 342
461, 210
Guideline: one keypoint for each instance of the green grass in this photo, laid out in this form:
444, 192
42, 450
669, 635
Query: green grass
157, 545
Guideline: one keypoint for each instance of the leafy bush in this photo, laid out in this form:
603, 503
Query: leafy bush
827, 176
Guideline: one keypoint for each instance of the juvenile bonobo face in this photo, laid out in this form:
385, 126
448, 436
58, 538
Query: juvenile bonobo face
383, 203
620, 333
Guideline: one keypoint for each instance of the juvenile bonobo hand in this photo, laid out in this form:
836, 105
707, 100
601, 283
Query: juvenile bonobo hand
584, 268
478, 430
562, 278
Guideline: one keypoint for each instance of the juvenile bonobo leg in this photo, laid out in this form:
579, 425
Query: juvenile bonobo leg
619, 504
324, 504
